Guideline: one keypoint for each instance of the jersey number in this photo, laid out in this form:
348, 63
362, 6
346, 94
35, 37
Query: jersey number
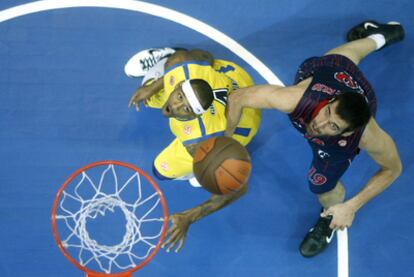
316, 178
225, 69
220, 95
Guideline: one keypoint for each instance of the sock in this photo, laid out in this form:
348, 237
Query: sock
379, 40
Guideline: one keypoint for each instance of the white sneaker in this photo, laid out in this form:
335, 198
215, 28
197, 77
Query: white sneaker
193, 181
141, 62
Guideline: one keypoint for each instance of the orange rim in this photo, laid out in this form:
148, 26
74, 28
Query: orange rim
164, 225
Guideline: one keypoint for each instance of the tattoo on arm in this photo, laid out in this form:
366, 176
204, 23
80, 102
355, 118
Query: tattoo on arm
215, 203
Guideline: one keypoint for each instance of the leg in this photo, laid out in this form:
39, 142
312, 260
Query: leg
355, 50
367, 37
333, 197
173, 162
324, 182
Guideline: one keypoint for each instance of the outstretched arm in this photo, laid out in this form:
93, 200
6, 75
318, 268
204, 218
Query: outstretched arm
381, 147
145, 92
182, 221
280, 98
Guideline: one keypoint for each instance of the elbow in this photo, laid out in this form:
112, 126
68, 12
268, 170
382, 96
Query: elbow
398, 169
236, 99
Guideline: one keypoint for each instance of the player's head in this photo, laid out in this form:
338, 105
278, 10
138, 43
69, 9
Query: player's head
188, 100
341, 116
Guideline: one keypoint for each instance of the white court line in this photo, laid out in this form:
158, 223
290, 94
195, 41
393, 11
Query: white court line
189, 22
155, 10
342, 240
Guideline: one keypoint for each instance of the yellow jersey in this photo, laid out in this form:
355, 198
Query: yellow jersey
223, 77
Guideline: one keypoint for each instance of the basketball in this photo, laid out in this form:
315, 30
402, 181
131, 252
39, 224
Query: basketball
221, 165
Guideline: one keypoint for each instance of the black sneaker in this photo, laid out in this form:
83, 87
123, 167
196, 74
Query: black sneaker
318, 238
392, 31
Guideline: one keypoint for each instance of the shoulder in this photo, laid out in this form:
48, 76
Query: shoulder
381, 147
373, 136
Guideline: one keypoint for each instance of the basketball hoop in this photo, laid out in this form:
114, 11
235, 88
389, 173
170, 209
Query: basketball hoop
116, 190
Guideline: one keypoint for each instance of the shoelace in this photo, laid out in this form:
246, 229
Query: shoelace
147, 63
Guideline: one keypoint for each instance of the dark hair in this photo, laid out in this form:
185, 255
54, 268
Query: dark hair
354, 109
203, 91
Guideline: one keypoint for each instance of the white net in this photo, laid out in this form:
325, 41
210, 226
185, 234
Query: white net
133, 230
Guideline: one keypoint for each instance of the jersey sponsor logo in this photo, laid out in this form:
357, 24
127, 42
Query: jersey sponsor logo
164, 166
187, 130
323, 154
172, 80
316, 178
324, 88
347, 80
342, 143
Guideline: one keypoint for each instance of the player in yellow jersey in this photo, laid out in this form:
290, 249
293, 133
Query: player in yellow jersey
191, 89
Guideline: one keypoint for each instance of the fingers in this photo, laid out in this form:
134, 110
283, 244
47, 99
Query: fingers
170, 232
134, 101
172, 229
180, 244
175, 236
335, 226
326, 213
341, 217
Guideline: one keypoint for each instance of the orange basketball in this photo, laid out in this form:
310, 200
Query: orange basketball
221, 165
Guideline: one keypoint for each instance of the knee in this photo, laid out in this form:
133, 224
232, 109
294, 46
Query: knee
333, 196
354, 56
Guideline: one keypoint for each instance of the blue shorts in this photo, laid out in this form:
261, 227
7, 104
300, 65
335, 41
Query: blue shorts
324, 173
